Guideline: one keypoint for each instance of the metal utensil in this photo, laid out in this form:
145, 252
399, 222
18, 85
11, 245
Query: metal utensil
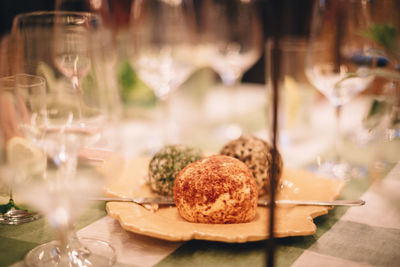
261, 202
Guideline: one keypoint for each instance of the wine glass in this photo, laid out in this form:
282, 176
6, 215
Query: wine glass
385, 32
102, 9
161, 52
231, 33
16, 163
68, 50
338, 60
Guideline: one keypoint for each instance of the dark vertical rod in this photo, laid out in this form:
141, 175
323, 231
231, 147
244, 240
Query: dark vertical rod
275, 97
275, 72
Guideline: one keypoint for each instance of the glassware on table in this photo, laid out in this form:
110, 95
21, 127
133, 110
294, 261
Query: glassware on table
161, 53
297, 94
69, 51
231, 38
385, 32
16, 161
379, 134
102, 10
337, 64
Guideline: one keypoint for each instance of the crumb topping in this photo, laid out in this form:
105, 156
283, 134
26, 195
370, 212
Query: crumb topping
216, 189
256, 154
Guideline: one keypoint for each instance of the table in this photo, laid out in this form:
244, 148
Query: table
358, 236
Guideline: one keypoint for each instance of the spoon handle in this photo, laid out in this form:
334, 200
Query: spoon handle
347, 203
261, 202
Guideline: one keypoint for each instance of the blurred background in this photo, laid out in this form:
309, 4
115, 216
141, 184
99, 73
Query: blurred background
140, 103
216, 72
296, 21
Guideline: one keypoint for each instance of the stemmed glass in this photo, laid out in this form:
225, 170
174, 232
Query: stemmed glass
385, 32
161, 46
18, 159
337, 64
67, 49
231, 32
102, 9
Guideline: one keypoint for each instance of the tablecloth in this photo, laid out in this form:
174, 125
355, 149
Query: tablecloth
357, 236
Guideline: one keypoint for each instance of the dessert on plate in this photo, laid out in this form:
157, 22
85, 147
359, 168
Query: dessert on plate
216, 189
166, 164
219, 189
256, 154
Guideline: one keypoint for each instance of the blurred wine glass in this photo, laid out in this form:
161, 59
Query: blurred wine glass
63, 47
385, 32
231, 38
74, 64
161, 52
16, 161
69, 52
338, 63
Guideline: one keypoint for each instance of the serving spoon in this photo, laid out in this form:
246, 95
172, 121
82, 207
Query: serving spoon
261, 202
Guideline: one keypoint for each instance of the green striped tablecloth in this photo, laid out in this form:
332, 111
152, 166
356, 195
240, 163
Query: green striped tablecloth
359, 236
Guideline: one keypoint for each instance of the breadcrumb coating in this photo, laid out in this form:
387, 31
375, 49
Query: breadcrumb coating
256, 154
216, 189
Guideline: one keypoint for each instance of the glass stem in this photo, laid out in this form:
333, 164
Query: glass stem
64, 235
11, 201
165, 120
231, 87
234, 87
76, 84
4, 208
11, 197
169, 132
71, 249
338, 133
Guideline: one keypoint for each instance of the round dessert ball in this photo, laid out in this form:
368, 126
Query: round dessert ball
216, 189
256, 154
165, 165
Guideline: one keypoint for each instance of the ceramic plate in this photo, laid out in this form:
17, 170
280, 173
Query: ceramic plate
126, 179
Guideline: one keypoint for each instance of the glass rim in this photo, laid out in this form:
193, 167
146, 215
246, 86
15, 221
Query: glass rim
24, 17
12, 81
52, 12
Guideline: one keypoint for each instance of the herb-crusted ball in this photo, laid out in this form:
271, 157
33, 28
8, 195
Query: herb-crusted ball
166, 164
256, 154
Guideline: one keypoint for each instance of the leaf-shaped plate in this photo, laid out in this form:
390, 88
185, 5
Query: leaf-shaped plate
166, 223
